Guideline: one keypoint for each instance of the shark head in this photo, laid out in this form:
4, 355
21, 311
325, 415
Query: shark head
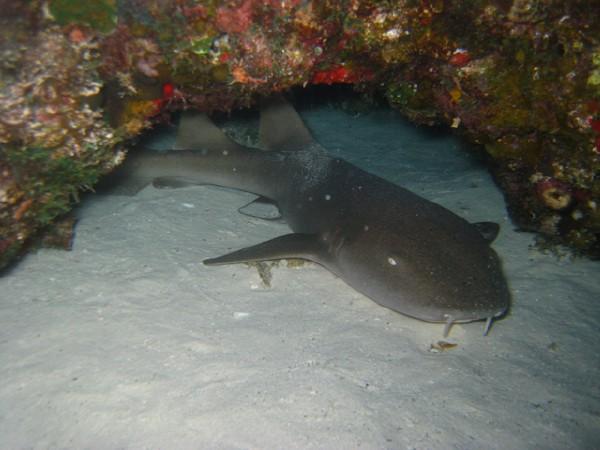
433, 284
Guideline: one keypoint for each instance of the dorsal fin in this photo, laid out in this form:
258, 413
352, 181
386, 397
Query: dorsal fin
488, 230
281, 128
196, 131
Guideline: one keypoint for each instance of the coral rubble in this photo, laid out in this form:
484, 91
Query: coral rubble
520, 77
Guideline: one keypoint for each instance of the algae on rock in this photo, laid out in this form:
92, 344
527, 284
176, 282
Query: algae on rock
520, 77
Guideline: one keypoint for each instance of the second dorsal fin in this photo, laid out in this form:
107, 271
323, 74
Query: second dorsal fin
196, 131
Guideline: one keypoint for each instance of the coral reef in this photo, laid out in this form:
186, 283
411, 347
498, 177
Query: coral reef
53, 139
520, 77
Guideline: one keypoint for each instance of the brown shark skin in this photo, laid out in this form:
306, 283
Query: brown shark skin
402, 251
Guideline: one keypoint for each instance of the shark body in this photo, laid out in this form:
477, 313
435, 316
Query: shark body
401, 250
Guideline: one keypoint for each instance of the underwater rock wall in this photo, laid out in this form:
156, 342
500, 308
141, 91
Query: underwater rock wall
522, 78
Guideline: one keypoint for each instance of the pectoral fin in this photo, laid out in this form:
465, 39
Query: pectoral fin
302, 246
261, 208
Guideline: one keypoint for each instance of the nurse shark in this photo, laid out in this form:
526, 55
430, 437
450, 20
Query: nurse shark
402, 251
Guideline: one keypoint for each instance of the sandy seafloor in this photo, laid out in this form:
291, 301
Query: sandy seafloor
128, 341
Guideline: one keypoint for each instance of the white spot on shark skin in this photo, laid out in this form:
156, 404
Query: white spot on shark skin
225, 152
188, 205
240, 315
234, 169
327, 197
366, 228
392, 261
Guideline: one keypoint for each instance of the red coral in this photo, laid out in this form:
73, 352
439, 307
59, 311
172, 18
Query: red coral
336, 75
170, 95
460, 58
168, 90
342, 74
